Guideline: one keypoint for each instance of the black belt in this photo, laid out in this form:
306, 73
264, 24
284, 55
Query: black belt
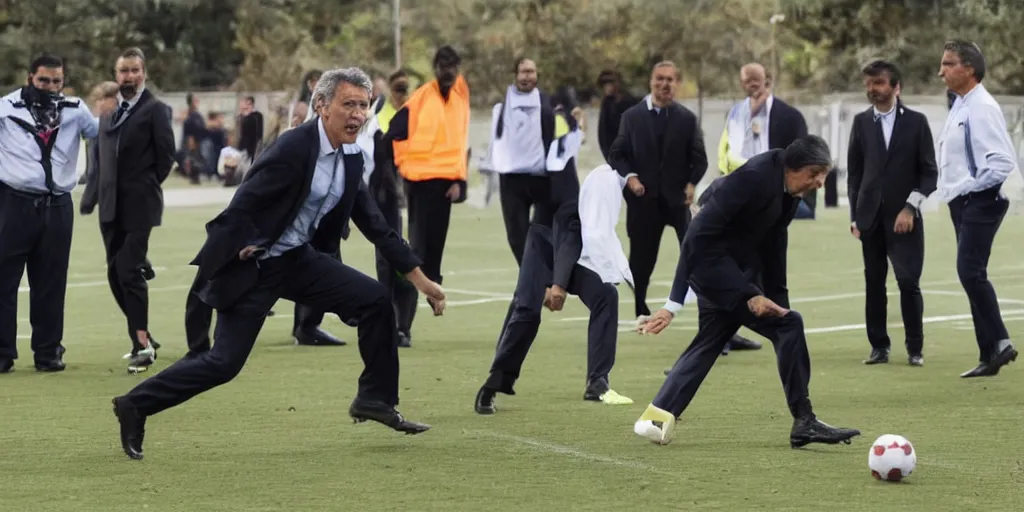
38, 199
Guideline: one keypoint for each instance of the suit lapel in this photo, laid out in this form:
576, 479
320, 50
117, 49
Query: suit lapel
895, 139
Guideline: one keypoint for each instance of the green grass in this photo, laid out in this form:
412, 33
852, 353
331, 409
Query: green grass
278, 438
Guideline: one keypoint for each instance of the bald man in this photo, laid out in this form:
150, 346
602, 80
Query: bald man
755, 125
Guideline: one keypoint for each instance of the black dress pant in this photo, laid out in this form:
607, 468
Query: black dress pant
199, 317
523, 320
881, 245
301, 275
403, 293
35, 235
518, 193
430, 213
126, 265
646, 219
715, 328
976, 220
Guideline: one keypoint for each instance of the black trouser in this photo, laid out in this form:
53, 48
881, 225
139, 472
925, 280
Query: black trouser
880, 245
430, 212
301, 275
715, 328
976, 219
126, 262
523, 321
403, 293
199, 316
35, 235
518, 193
646, 218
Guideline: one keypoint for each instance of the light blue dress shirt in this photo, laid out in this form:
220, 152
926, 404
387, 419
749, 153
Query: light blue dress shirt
975, 149
21, 165
325, 192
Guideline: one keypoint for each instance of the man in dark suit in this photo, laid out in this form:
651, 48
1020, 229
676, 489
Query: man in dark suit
615, 102
660, 152
734, 258
136, 152
891, 171
259, 250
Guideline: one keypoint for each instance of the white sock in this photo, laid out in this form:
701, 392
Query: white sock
1002, 345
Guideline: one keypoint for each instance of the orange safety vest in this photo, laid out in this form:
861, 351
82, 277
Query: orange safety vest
438, 134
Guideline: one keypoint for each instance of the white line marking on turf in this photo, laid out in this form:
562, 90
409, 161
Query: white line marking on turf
572, 452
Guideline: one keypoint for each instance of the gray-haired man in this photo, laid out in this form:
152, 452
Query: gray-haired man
734, 258
301, 191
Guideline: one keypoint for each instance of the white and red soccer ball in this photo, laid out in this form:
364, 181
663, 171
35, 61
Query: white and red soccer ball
892, 458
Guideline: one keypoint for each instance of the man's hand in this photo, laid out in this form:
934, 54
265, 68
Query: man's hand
763, 307
635, 186
656, 323
689, 193
453, 192
554, 298
435, 295
904, 222
854, 231
248, 252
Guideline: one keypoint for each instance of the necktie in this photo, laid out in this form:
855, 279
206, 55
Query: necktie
121, 110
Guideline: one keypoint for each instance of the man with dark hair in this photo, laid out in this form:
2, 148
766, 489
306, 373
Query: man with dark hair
250, 126
660, 152
976, 156
615, 102
40, 133
305, 187
522, 131
136, 152
734, 258
891, 162
428, 143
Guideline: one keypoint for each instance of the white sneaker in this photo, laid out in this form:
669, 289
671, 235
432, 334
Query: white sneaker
656, 425
142, 360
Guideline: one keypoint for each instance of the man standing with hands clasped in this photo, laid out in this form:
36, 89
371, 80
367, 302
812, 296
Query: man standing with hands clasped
734, 258
660, 151
891, 171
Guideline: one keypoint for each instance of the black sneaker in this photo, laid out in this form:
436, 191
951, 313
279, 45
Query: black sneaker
809, 430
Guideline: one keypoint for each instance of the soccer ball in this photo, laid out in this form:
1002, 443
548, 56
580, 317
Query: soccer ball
892, 458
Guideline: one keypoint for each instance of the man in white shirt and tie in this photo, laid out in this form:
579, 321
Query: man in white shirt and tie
40, 133
976, 156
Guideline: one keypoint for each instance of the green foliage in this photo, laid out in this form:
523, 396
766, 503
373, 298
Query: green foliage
267, 44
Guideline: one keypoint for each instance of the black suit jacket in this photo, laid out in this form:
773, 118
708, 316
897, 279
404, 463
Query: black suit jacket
785, 125
134, 158
880, 180
267, 202
609, 119
682, 159
735, 247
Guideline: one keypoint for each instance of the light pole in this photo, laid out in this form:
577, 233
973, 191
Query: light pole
774, 21
397, 9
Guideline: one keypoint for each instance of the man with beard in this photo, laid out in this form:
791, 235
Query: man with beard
891, 162
40, 133
660, 152
136, 151
522, 130
428, 143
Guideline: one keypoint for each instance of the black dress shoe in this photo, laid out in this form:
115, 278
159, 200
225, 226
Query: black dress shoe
809, 430
133, 427
484, 403
915, 360
740, 343
317, 338
595, 389
878, 356
6, 365
362, 410
991, 368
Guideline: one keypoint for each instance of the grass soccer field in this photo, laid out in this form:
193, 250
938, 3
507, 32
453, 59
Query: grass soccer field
278, 437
